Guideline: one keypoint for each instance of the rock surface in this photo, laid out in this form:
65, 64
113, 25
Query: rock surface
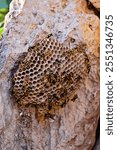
74, 127
96, 3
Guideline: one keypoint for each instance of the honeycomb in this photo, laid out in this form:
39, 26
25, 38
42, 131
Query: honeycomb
49, 74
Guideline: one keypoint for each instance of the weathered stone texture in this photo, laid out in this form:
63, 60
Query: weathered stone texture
96, 3
74, 127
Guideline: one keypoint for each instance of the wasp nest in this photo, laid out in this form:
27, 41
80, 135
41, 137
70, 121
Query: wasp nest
49, 74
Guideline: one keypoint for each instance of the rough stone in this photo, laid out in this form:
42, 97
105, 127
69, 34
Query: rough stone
96, 3
74, 126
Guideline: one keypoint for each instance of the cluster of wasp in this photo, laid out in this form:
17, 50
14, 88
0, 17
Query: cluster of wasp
49, 75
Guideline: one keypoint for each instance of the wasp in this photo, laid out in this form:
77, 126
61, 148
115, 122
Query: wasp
69, 78
52, 78
64, 102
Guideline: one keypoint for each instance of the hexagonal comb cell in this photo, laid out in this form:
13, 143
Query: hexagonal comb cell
49, 74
